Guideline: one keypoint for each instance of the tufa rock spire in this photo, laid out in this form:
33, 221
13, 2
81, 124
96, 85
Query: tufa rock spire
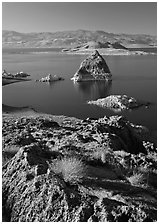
93, 68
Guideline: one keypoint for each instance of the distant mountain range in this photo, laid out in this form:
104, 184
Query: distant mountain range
75, 38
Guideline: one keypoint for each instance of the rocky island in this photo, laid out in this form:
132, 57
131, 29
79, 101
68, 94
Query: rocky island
119, 102
50, 78
8, 78
93, 68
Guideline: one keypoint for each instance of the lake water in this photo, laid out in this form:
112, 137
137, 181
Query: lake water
134, 76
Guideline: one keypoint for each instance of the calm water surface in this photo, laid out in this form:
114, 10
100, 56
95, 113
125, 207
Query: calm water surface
132, 75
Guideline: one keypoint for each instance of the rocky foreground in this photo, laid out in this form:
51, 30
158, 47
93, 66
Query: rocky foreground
65, 169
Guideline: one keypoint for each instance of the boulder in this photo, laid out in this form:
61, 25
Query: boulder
50, 78
93, 68
6, 74
119, 102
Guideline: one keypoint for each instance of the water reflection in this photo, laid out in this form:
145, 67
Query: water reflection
93, 90
50, 84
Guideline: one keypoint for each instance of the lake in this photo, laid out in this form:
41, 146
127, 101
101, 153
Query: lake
134, 76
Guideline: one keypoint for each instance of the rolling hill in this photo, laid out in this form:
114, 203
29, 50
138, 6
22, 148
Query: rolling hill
75, 38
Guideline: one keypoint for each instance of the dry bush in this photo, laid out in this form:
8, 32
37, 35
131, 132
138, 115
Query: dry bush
121, 153
72, 170
103, 155
136, 179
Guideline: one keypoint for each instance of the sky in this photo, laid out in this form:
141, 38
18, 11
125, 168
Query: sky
115, 17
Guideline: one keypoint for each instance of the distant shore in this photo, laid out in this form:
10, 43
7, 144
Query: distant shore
104, 51
65, 50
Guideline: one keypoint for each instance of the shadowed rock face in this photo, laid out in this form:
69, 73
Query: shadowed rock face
93, 68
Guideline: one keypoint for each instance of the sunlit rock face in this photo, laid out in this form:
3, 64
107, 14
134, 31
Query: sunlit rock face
93, 68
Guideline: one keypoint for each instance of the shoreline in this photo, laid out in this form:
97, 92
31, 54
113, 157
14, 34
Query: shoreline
29, 111
8, 80
110, 52
102, 51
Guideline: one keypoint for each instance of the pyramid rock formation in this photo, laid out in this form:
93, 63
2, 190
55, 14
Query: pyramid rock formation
93, 68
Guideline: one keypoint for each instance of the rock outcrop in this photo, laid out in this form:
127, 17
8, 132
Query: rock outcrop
119, 102
50, 78
93, 68
112, 153
8, 78
21, 74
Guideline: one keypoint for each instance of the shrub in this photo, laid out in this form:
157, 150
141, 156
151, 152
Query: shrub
104, 155
72, 170
136, 179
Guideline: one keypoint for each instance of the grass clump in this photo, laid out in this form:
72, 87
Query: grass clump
72, 170
104, 155
136, 179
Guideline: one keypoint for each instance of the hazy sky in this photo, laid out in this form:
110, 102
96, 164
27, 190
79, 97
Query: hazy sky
117, 17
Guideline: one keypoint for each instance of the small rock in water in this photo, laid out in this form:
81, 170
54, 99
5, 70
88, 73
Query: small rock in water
50, 78
118, 102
